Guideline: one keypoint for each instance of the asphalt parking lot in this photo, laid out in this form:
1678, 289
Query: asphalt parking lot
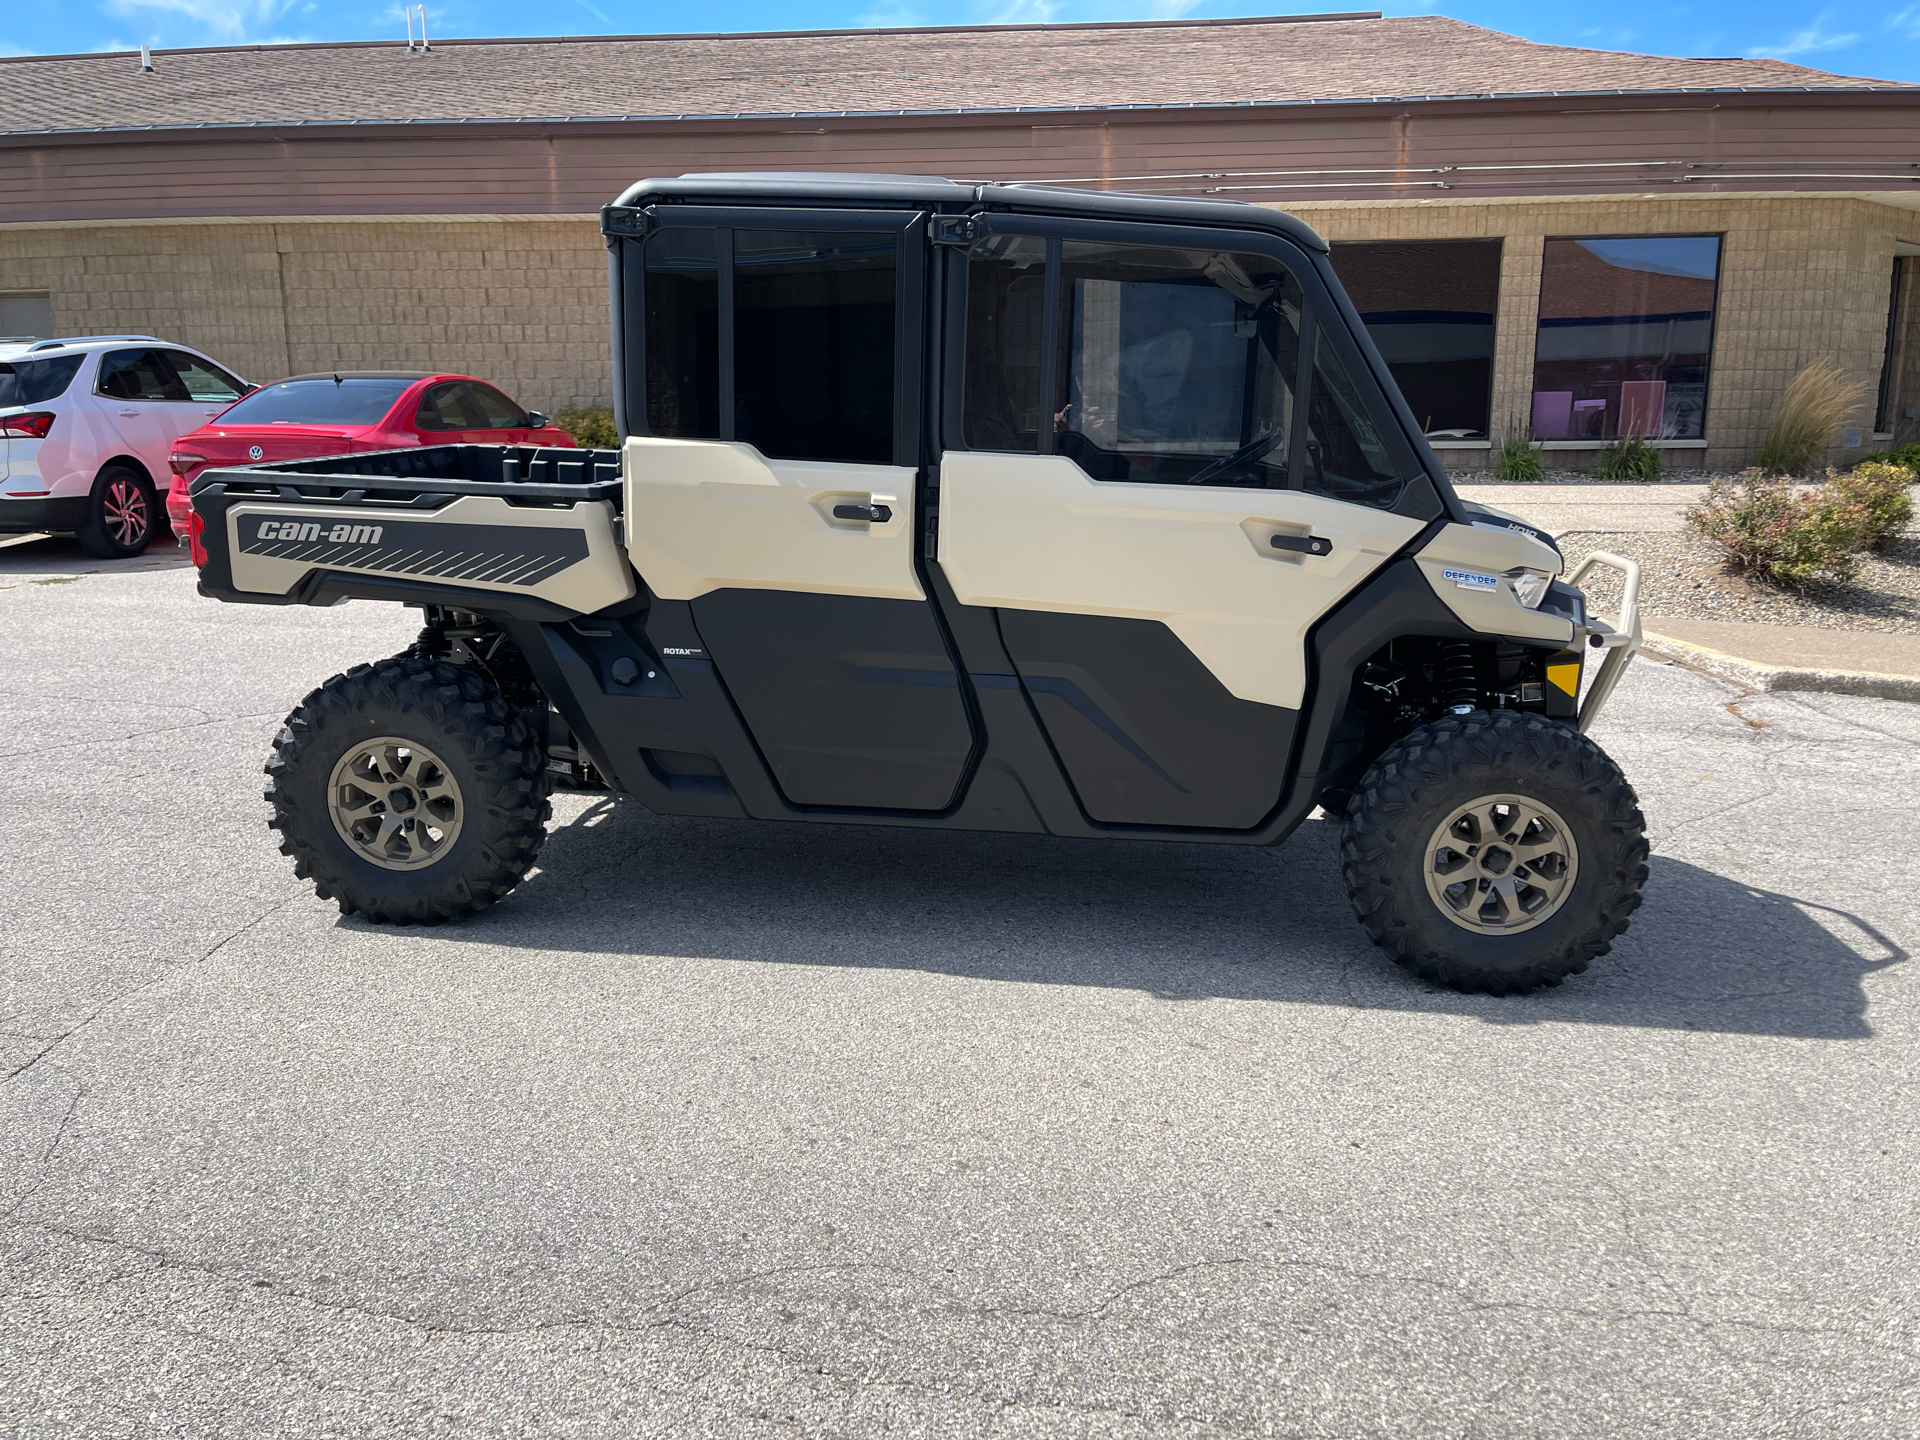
742, 1129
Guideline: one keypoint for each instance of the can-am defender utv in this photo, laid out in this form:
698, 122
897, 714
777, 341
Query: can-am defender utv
990, 507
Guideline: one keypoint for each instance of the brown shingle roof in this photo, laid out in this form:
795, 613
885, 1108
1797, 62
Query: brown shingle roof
1271, 61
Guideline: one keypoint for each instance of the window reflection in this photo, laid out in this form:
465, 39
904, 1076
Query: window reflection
1625, 332
1429, 306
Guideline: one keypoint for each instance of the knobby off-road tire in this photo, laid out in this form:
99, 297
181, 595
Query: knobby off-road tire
1586, 829
463, 754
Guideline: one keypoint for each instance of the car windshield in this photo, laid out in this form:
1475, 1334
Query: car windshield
32, 382
325, 401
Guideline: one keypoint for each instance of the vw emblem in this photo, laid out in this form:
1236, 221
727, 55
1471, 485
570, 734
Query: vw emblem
254, 452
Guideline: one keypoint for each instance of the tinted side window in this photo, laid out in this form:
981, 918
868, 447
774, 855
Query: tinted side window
447, 407
1006, 293
1177, 366
1346, 457
31, 382
813, 343
683, 334
204, 380
497, 412
139, 375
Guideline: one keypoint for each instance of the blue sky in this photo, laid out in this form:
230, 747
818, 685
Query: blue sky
1855, 39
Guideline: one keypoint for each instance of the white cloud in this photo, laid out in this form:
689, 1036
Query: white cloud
892, 17
229, 22
1815, 38
1022, 12
1906, 21
596, 12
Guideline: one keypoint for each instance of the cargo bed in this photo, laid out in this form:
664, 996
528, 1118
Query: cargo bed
516, 530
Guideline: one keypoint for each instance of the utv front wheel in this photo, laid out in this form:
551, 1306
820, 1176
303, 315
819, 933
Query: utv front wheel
1495, 852
409, 791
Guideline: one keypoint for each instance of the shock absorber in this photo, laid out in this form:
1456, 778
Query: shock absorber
1459, 679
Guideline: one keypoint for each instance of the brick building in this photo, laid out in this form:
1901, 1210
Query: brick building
1549, 241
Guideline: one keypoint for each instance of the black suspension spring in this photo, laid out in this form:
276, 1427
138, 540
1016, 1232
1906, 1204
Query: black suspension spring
1459, 677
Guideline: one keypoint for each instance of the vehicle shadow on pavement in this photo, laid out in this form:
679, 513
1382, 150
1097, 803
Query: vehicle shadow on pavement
1181, 922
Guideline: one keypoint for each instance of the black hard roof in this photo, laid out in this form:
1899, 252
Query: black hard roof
761, 186
362, 375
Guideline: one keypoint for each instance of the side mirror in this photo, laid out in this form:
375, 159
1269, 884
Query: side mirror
247, 389
537, 421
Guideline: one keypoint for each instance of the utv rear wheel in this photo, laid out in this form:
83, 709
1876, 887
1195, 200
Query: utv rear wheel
121, 514
409, 791
1495, 852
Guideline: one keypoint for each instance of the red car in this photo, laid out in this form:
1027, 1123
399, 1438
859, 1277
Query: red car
338, 413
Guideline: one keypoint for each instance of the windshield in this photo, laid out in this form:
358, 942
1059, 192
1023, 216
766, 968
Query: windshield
318, 402
32, 382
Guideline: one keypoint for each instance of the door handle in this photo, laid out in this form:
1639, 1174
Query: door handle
1303, 544
873, 514
129, 414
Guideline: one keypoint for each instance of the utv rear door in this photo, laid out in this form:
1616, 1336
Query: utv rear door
1163, 461
775, 409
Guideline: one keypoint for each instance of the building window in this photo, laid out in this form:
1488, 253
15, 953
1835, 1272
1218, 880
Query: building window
26, 315
1626, 329
1429, 306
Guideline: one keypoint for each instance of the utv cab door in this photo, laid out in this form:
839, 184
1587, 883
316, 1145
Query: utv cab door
1164, 460
771, 483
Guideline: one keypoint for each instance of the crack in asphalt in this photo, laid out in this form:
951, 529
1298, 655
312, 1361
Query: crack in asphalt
140, 734
167, 970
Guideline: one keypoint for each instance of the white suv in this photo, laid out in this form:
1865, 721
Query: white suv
85, 428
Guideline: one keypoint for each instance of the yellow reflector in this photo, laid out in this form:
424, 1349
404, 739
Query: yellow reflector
1566, 676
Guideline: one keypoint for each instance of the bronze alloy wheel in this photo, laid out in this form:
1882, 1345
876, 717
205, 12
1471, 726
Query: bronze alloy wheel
1501, 864
395, 802
125, 512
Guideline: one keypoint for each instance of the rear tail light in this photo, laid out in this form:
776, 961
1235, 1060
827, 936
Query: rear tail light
180, 463
33, 425
196, 527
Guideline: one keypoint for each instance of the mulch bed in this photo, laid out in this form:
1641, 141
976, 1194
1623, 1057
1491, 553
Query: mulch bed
1681, 577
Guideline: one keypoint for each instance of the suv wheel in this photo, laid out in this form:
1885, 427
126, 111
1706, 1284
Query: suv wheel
1494, 852
121, 515
408, 791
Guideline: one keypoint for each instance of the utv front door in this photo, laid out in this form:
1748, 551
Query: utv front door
1161, 467
771, 483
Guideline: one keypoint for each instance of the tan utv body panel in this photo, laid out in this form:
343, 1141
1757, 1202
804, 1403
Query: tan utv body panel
706, 515
1036, 532
1479, 550
564, 555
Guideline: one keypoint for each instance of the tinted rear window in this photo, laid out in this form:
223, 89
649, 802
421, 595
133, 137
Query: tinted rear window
32, 382
317, 402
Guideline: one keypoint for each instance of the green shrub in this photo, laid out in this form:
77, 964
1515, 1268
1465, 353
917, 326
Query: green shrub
591, 426
1815, 403
1907, 455
1519, 460
1881, 490
1766, 528
1629, 458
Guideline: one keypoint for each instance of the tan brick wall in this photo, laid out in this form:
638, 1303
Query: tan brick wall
524, 302
1799, 279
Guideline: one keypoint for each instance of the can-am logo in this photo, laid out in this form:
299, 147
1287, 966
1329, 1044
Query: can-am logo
342, 534
1471, 580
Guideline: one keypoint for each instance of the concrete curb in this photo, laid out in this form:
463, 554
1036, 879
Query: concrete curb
1751, 675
